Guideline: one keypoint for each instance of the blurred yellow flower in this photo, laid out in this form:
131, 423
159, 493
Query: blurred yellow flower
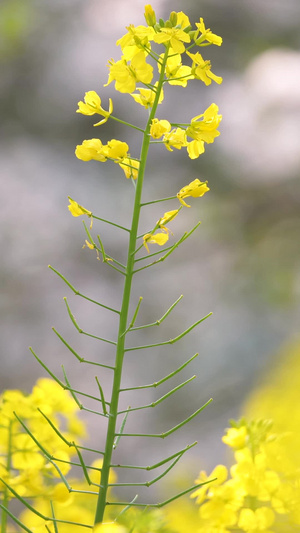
218, 475
236, 437
95, 474
28, 455
254, 521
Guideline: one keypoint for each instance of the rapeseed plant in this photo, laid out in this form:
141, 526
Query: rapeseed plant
38, 452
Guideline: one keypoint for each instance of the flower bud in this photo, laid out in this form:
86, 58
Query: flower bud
150, 15
173, 18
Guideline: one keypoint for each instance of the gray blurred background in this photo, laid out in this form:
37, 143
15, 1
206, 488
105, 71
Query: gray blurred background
242, 263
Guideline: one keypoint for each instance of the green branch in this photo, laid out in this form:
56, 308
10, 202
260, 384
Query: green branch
78, 293
157, 383
172, 430
171, 341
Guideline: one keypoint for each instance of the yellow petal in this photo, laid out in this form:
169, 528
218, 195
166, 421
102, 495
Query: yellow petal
158, 238
76, 209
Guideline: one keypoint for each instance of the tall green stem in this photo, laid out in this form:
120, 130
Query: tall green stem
120, 349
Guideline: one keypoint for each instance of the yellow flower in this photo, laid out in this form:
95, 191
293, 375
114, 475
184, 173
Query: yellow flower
207, 35
175, 36
135, 40
130, 167
115, 149
177, 73
147, 96
92, 106
158, 238
205, 129
196, 189
77, 210
166, 218
182, 20
159, 128
236, 437
126, 76
175, 138
90, 149
201, 69
195, 148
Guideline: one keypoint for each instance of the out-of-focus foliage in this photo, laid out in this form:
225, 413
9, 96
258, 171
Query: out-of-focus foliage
16, 20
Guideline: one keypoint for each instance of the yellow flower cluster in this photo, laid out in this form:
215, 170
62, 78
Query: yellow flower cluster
260, 493
195, 189
202, 129
23, 463
177, 37
114, 150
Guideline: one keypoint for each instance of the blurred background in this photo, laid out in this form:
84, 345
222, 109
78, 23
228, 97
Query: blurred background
242, 263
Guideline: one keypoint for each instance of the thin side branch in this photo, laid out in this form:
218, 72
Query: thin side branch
157, 383
78, 293
172, 430
171, 341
